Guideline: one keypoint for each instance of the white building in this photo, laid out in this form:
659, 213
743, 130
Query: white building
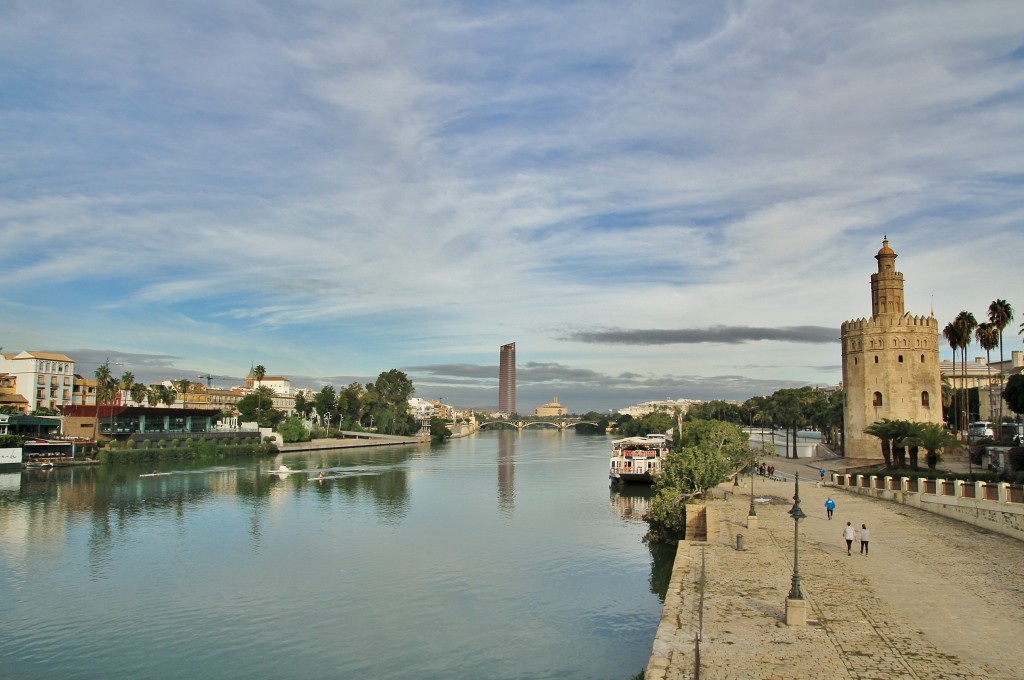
44, 379
668, 405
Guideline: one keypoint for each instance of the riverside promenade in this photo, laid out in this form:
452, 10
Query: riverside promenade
935, 598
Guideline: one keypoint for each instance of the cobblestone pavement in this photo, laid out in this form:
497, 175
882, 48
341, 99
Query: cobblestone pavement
935, 598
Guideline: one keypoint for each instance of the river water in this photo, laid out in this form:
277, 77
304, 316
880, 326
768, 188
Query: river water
501, 555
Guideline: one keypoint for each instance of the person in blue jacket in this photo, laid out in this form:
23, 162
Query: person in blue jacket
830, 505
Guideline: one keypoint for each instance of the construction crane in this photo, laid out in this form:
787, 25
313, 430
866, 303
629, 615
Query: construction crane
208, 379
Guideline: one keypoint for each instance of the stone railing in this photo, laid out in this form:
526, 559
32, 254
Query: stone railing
996, 506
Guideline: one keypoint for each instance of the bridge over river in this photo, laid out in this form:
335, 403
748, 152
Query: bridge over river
522, 424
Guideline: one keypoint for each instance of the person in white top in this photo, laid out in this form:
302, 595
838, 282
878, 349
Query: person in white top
848, 535
864, 537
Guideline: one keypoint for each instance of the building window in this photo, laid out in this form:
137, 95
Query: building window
922, 358
876, 358
924, 400
878, 399
901, 358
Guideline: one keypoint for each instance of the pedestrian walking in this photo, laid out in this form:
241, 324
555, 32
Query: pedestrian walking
848, 535
821, 473
830, 505
864, 536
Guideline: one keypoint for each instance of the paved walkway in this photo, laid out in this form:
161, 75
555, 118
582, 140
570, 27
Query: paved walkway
934, 599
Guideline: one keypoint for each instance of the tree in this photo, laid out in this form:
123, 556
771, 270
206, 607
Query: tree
439, 432
259, 373
325, 403
153, 395
183, 386
987, 336
885, 431
393, 389
126, 382
954, 336
138, 392
1000, 314
352, 411
966, 322
292, 430
259, 406
932, 437
106, 384
711, 451
655, 422
1014, 393
303, 407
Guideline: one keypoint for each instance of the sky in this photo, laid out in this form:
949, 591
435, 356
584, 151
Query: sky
653, 200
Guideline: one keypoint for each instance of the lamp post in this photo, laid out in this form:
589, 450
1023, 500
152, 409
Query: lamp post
797, 514
752, 512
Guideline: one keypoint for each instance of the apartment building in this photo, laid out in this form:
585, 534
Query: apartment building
44, 379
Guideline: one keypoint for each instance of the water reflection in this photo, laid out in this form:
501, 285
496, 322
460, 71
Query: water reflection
113, 498
507, 470
631, 502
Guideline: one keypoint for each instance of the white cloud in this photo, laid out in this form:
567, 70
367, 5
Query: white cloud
340, 188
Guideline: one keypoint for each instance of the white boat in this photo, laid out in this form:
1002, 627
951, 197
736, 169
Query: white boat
637, 459
282, 470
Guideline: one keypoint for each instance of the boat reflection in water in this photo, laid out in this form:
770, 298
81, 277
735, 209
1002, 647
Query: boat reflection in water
632, 501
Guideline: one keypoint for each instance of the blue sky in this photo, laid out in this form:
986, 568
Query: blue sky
654, 200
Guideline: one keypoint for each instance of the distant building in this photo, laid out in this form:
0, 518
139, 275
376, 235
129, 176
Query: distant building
9, 397
982, 383
551, 410
44, 379
278, 383
667, 405
507, 379
890, 363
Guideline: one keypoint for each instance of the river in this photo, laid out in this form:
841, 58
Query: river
500, 555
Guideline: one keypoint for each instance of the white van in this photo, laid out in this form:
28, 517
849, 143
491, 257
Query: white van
981, 428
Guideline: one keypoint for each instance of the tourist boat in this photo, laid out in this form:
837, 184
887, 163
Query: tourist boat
637, 459
282, 470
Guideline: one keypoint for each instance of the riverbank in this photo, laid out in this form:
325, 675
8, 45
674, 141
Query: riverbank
352, 440
935, 597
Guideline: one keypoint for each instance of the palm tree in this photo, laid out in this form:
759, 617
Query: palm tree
987, 336
153, 394
932, 437
1000, 314
884, 430
104, 380
258, 373
183, 386
263, 393
952, 335
138, 392
168, 395
967, 323
901, 444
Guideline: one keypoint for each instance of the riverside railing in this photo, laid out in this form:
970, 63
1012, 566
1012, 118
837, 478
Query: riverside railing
998, 506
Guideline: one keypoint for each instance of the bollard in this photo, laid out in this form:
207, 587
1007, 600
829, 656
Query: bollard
739, 541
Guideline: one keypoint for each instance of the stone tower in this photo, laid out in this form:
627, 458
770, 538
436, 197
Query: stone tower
890, 363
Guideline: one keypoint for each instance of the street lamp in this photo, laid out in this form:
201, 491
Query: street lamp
797, 514
752, 512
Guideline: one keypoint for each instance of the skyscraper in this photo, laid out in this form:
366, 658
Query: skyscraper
507, 379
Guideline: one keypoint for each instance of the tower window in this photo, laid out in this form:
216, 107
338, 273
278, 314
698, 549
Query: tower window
901, 358
924, 400
876, 358
877, 400
922, 358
